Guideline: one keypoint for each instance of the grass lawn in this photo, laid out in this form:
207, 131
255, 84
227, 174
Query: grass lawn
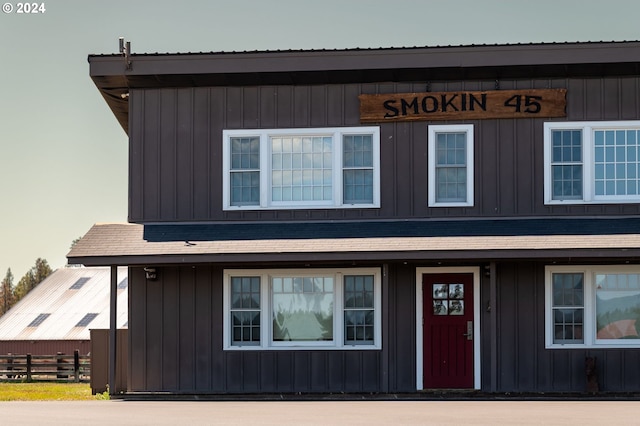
46, 391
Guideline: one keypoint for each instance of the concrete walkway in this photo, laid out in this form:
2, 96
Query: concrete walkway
119, 412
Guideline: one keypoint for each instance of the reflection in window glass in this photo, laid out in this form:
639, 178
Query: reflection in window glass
245, 310
358, 309
617, 306
568, 307
302, 309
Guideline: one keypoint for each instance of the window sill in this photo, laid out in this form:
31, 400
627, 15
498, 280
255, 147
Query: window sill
305, 348
303, 207
593, 346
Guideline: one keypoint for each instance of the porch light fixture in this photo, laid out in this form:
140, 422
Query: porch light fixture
150, 274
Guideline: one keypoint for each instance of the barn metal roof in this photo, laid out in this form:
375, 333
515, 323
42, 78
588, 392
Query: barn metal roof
67, 306
567, 238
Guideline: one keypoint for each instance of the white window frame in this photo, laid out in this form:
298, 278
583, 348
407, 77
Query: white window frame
587, 129
264, 135
589, 309
266, 341
450, 128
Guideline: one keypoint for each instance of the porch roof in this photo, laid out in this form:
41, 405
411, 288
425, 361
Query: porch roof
609, 239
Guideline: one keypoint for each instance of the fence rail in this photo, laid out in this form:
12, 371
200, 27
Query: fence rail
59, 367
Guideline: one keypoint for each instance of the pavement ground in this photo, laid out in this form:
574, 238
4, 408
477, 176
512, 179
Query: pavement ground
121, 412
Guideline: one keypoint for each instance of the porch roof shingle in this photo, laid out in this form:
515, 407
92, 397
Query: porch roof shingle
136, 244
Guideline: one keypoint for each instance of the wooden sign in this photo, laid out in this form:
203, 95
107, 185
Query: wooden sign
530, 103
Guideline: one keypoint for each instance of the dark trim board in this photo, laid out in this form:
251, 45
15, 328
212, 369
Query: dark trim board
385, 229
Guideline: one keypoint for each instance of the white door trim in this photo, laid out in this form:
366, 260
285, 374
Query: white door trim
476, 319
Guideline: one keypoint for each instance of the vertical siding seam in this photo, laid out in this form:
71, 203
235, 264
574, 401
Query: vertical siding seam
496, 208
176, 142
519, 321
536, 337
412, 195
162, 369
178, 345
192, 208
212, 297
274, 100
584, 99
241, 100
209, 142
309, 375
516, 175
292, 109
159, 157
258, 109
194, 346
309, 95
618, 98
634, 82
326, 105
143, 125
602, 99
478, 170
145, 340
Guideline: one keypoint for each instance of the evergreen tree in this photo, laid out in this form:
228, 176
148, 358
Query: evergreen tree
32, 278
6, 293
41, 270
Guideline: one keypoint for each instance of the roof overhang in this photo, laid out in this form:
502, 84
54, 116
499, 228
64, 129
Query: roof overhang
126, 244
419, 64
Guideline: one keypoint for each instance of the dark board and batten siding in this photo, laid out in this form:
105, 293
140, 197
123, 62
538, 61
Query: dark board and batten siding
524, 365
176, 148
176, 344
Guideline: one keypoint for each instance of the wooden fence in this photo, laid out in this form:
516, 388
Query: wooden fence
59, 367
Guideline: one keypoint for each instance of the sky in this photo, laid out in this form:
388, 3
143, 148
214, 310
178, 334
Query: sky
63, 155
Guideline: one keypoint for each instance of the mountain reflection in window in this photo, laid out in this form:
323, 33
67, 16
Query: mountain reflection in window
302, 309
617, 306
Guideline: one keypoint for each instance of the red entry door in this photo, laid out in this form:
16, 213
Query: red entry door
448, 331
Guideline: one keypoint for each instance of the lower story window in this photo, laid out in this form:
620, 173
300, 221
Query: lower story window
285, 309
597, 306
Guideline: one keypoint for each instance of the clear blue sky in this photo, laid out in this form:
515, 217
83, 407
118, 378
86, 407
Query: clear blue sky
63, 156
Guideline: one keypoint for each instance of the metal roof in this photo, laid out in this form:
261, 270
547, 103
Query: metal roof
115, 79
379, 48
66, 306
134, 244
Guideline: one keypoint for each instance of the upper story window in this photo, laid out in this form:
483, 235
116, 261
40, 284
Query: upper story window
450, 165
301, 168
592, 162
592, 306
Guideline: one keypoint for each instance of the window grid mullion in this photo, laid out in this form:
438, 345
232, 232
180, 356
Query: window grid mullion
588, 166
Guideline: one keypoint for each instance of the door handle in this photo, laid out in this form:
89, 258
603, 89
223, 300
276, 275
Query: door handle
469, 333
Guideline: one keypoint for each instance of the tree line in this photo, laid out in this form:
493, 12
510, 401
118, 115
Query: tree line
10, 294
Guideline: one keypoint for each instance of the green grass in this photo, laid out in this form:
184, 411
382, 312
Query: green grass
47, 391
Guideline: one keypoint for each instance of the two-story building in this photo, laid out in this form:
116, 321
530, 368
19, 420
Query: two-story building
379, 220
